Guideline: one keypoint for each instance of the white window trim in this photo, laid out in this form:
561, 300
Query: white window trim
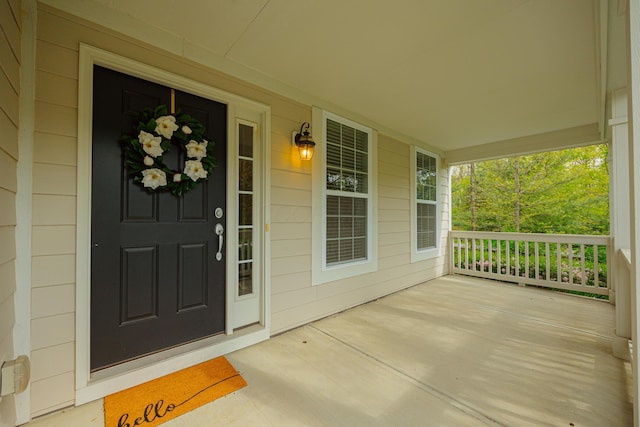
424, 254
320, 272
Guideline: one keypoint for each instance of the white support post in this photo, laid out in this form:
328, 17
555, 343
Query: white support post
620, 220
633, 31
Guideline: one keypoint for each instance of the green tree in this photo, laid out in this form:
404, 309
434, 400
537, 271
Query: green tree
555, 192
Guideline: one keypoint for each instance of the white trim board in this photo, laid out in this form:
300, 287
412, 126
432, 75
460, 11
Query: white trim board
24, 199
110, 380
551, 141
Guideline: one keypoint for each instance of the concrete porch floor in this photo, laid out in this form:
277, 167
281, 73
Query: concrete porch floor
455, 351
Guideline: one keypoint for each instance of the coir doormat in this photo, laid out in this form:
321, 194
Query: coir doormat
157, 401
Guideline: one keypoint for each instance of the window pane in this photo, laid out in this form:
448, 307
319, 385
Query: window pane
333, 132
245, 266
360, 207
245, 278
246, 175
346, 206
360, 248
346, 229
332, 227
348, 136
426, 225
245, 136
431, 193
245, 245
426, 179
347, 158
333, 205
246, 209
349, 182
346, 250
362, 139
332, 252
361, 161
360, 227
361, 183
333, 155
333, 179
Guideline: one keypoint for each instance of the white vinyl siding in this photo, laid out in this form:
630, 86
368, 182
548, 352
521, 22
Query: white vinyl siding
425, 209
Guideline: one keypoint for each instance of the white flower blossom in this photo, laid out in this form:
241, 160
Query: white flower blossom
150, 144
177, 177
195, 150
148, 161
194, 170
186, 130
154, 178
166, 125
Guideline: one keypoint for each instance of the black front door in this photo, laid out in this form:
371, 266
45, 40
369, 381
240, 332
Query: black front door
156, 281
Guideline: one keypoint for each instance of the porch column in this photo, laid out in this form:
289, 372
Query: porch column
620, 221
633, 55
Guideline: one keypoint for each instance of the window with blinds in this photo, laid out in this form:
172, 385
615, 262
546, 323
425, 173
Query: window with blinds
426, 174
347, 193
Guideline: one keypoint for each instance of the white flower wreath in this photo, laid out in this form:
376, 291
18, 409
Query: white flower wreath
153, 136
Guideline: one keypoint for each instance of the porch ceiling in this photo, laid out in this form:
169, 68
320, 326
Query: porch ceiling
448, 73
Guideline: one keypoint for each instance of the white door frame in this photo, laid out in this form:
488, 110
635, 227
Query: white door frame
91, 387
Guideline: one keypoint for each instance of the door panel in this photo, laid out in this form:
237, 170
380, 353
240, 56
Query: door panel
155, 280
192, 271
139, 284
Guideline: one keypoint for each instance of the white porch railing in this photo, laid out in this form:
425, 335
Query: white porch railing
561, 261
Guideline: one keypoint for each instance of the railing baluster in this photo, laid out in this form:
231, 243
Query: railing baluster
499, 261
583, 270
536, 249
490, 242
547, 263
507, 256
526, 259
466, 253
559, 262
596, 270
481, 254
473, 253
570, 255
516, 257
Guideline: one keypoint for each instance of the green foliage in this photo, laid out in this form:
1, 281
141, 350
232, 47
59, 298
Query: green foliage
561, 192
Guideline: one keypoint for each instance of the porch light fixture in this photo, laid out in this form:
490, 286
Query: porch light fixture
304, 142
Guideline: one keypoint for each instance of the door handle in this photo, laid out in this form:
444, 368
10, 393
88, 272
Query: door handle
220, 233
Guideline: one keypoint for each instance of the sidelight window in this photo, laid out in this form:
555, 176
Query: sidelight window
245, 209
